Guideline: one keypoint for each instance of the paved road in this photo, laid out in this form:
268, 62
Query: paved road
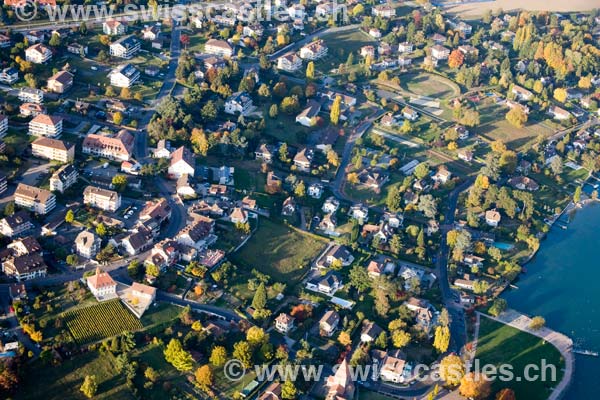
178, 211
457, 326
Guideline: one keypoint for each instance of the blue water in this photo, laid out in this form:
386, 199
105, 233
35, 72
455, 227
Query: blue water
503, 246
561, 284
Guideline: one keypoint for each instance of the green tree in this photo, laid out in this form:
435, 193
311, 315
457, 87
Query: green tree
421, 170
517, 117
9, 209
54, 40
400, 338
89, 386
497, 307
259, 300
300, 189
72, 259
152, 270
577, 194
537, 323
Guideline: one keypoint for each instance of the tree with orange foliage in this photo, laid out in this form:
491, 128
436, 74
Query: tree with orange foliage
301, 312
198, 290
475, 386
456, 59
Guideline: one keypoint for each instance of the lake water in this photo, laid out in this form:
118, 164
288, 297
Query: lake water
562, 284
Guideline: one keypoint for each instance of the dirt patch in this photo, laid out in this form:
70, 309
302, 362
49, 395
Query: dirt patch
477, 9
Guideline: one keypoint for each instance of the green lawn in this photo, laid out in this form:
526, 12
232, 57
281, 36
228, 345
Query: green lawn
279, 251
63, 381
501, 344
430, 85
340, 45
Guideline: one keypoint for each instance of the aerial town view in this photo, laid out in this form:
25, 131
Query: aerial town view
299, 199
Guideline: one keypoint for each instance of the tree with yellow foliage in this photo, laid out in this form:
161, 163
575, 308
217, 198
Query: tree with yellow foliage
452, 369
560, 94
344, 338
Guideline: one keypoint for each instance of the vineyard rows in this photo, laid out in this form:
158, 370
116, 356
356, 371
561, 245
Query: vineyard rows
100, 321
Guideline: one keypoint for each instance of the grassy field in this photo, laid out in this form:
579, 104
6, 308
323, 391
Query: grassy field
340, 45
100, 321
501, 344
282, 252
495, 127
430, 85
64, 381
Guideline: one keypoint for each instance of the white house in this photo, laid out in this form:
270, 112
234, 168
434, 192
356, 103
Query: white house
38, 54
239, 103
124, 76
113, 27
46, 125
314, 50
284, 323
289, 62
182, 162
218, 47
102, 285
125, 47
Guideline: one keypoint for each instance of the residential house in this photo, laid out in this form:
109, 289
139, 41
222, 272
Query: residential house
521, 94
336, 254
375, 33
60, 82
31, 109
76, 48
182, 162
102, 285
4, 41
303, 159
440, 52
405, 47
124, 76
239, 103
46, 125
329, 323
238, 216
31, 95
314, 50
289, 207
359, 212
159, 211
114, 27
249, 203
87, 244
138, 241
183, 186
559, 113
315, 190
307, 117
370, 332
472, 260
151, 32
328, 225
163, 149
330, 205
492, 218
272, 392
9, 75
340, 385
25, 267
16, 224
289, 62
218, 47
465, 155
38, 53
53, 149
375, 269
442, 176
17, 291
125, 47
103, 199
410, 114
392, 366
383, 11
119, 147
329, 284
284, 323
524, 183
198, 234
367, 51
466, 283
35, 199
373, 179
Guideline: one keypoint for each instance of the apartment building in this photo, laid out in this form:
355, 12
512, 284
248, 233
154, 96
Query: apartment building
53, 149
103, 199
35, 199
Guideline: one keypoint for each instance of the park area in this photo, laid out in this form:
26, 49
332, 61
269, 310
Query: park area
502, 344
100, 321
279, 251
340, 45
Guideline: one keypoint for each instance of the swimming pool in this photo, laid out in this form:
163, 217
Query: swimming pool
504, 246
